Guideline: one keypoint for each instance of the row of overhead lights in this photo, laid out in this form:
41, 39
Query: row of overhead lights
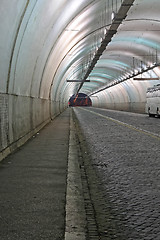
108, 34
133, 75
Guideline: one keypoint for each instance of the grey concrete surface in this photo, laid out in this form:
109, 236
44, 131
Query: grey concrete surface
119, 160
33, 186
75, 228
124, 151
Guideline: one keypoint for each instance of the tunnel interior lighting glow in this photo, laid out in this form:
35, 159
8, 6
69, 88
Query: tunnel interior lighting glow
76, 40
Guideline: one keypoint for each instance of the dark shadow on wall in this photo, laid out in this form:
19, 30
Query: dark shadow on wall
80, 99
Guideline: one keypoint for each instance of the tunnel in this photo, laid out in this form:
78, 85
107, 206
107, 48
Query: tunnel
81, 100
49, 53
67, 63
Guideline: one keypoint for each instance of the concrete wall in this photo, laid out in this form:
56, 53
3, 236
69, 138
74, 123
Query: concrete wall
126, 96
21, 117
28, 33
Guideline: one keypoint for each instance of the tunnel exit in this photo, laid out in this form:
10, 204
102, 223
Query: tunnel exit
80, 99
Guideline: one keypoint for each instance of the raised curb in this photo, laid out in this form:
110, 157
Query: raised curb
75, 210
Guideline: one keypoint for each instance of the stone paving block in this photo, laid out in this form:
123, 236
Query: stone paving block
127, 164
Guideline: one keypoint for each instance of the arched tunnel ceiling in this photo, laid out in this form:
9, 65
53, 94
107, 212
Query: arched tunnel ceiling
51, 41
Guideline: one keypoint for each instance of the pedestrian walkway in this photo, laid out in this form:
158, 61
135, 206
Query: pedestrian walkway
33, 185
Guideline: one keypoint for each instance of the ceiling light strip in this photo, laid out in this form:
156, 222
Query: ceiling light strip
129, 77
117, 20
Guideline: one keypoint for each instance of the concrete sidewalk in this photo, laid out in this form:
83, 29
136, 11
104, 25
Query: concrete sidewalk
33, 185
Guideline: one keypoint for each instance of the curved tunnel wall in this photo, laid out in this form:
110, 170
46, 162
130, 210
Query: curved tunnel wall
126, 96
25, 43
42, 44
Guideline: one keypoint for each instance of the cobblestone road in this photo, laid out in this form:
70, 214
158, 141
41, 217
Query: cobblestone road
126, 159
